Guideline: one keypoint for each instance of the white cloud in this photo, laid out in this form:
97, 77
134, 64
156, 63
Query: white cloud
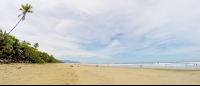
113, 44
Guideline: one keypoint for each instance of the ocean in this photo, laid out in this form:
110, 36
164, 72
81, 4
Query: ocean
169, 65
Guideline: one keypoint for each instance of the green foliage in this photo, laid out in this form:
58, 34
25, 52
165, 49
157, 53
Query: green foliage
14, 50
39, 60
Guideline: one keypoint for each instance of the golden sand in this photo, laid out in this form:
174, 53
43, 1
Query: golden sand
63, 74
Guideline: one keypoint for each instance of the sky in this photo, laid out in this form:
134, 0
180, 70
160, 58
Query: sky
108, 31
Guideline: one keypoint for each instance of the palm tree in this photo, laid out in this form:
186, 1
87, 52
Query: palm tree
36, 45
17, 52
26, 43
26, 9
5, 46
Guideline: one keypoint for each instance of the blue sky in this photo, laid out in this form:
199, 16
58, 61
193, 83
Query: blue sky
109, 31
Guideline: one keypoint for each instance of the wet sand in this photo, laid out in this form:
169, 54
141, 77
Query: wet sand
63, 74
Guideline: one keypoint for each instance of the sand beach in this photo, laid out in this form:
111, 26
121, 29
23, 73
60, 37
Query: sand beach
63, 74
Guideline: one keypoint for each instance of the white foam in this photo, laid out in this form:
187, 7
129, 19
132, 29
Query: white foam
178, 65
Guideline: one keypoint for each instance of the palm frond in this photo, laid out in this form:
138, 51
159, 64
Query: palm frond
30, 6
23, 6
30, 11
19, 15
21, 9
27, 4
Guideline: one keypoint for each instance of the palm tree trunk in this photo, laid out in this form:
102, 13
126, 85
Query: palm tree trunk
15, 25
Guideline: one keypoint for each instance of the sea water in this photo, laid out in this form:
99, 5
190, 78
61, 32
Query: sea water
168, 65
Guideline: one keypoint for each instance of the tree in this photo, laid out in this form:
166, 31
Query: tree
17, 52
5, 45
28, 51
36, 45
26, 43
26, 9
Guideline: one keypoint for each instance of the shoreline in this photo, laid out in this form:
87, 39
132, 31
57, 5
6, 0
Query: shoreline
152, 68
142, 67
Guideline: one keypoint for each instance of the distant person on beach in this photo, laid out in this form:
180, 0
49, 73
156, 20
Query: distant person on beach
141, 66
97, 66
